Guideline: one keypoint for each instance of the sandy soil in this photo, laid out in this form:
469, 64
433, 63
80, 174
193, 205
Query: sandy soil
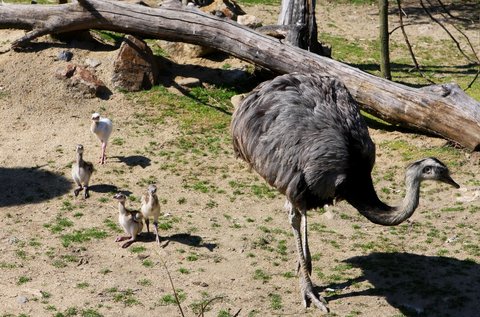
238, 251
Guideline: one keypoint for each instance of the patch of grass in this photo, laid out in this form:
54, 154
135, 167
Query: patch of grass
82, 285
84, 235
260, 275
61, 223
138, 249
275, 301
169, 299
23, 279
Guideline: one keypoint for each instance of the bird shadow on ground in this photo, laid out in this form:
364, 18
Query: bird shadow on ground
28, 185
103, 188
418, 285
134, 160
187, 239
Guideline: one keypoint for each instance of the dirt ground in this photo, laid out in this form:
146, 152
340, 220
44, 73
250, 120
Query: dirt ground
239, 252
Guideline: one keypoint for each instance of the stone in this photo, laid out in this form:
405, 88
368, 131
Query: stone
135, 68
93, 63
181, 52
250, 21
64, 56
224, 8
188, 82
82, 80
22, 299
236, 100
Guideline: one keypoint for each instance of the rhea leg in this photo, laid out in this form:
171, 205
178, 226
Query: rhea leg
147, 222
306, 285
155, 228
77, 190
130, 240
103, 157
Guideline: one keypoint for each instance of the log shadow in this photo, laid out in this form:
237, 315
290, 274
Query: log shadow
134, 160
419, 285
29, 185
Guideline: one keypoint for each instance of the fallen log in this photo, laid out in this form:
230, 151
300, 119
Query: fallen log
444, 110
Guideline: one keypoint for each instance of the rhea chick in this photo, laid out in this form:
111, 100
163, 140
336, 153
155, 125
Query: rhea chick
130, 220
81, 172
102, 128
151, 209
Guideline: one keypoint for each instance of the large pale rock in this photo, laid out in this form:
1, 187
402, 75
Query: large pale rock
181, 52
135, 67
250, 21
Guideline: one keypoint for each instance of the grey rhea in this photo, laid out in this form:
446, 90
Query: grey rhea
81, 172
303, 133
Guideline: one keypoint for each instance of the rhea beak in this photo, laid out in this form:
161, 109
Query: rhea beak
448, 180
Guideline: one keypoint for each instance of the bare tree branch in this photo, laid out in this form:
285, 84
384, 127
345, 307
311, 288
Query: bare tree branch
407, 41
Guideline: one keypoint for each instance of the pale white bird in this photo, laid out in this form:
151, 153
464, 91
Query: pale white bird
151, 209
102, 128
130, 220
81, 172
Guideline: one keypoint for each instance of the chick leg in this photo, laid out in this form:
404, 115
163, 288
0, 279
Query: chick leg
77, 190
155, 228
129, 242
103, 158
147, 222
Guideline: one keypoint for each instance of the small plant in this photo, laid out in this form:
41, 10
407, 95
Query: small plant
261, 275
23, 279
275, 301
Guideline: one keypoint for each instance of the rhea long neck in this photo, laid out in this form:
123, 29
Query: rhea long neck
369, 205
121, 208
79, 157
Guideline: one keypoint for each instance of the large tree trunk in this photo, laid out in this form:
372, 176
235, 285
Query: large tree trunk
444, 110
299, 15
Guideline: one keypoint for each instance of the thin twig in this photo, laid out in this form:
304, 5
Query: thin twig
474, 79
417, 67
458, 29
171, 281
451, 15
445, 29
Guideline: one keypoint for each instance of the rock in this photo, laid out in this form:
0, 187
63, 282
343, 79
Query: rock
224, 8
82, 80
236, 100
93, 63
64, 56
188, 82
22, 299
249, 20
134, 68
181, 52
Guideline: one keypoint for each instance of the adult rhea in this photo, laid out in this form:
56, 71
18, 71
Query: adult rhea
303, 133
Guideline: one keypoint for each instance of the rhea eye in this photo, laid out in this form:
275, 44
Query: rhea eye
427, 170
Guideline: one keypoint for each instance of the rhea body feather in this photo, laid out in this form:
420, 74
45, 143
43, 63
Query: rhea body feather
81, 172
150, 206
319, 152
130, 220
102, 129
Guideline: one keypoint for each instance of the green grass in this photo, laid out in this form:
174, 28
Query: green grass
84, 235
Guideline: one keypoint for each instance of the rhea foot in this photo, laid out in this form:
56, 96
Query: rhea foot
310, 297
77, 191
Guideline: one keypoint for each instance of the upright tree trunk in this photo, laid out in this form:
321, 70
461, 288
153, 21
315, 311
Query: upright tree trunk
300, 16
384, 39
